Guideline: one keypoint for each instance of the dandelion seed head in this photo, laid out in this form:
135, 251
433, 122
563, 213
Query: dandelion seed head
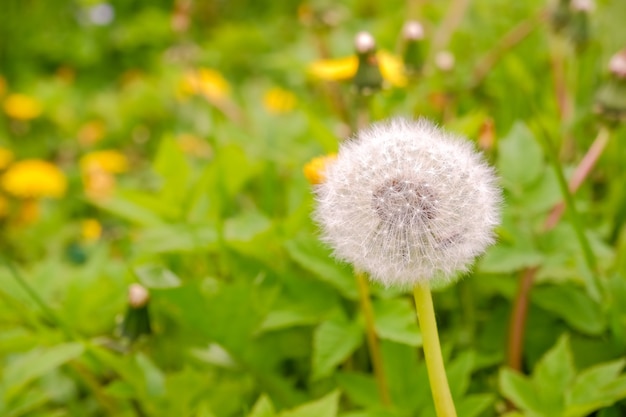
408, 202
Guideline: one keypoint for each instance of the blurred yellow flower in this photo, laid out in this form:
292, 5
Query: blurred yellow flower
334, 69
391, 68
194, 145
91, 132
314, 169
207, 82
22, 107
91, 230
111, 161
28, 211
98, 183
278, 100
33, 178
3, 86
6, 157
4, 206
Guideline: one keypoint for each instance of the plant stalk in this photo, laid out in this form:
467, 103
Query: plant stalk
372, 339
517, 324
439, 387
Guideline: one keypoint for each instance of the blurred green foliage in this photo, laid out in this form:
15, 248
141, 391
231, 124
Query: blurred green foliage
250, 315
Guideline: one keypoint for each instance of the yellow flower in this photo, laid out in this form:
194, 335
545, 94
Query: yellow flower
91, 132
334, 69
111, 161
34, 178
4, 206
98, 183
91, 230
314, 169
6, 157
194, 145
207, 82
277, 101
28, 212
22, 107
391, 68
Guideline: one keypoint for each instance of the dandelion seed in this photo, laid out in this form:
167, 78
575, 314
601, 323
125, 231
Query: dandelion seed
428, 219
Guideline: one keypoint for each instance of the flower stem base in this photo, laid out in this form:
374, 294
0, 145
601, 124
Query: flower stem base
440, 389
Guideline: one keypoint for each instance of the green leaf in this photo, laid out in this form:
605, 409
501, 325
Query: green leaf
459, 373
171, 165
553, 374
309, 254
395, 320
25, 403
263, 408
406, 375
37, 363
246, 226
572, 305
520, 391
505, 259
128, 210
286, 318
595, 388
333, 342
520, 160
324, 407
235, 169
360, 388
474, 405
153, 377
156, 276
176, 238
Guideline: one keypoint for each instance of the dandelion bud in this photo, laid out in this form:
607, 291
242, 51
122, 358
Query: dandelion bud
368, 77
413, 55
136, 321
364, 43
579, 26
611, 96
617, 64
444, 60
138, 296
408, 203
586, 6
561, 15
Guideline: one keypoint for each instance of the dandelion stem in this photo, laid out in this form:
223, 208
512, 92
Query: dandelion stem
432, 352
517, 324
509, 40
372, 339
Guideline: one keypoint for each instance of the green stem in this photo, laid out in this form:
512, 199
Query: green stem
372, 340
432, 352
38, 300
588, 255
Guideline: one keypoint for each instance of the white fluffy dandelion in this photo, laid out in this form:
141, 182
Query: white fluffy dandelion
407, 202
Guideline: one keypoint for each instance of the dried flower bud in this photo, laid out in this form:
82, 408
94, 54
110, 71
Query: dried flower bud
412, 49
138, 296
413, 31
444, 60
364, 43
586, 6
368, 78
617, 64
407, 203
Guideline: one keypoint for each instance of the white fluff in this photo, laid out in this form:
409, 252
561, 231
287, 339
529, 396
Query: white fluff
407, 202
